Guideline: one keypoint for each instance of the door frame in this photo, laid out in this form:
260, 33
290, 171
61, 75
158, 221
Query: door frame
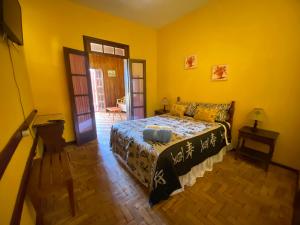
87, 40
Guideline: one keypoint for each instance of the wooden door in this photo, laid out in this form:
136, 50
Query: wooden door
79, 82
137, 69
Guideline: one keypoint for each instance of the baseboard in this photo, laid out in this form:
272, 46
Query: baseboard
285, 167
291, 169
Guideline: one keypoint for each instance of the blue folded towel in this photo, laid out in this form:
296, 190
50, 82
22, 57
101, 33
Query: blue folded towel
157, 135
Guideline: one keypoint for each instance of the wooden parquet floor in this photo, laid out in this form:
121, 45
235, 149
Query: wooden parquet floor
235, 192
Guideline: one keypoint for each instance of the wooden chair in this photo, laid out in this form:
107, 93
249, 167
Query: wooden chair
113, 111
121, 103
52, 173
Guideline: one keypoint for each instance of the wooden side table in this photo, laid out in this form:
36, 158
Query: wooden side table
160, 112
267, 137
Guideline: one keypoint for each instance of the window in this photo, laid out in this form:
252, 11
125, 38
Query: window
96, 47
99, 46
108, 49
120, 51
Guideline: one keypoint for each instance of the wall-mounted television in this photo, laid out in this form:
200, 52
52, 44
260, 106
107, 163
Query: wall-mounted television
11, 20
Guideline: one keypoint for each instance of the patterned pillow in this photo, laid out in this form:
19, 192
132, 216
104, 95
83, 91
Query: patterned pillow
191, 109
206, 114
222, 110
177, 110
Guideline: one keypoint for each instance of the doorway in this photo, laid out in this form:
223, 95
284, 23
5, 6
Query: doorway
108, 64
108, 88
104, 84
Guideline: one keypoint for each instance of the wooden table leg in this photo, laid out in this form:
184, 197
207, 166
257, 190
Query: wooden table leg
272, 146
119, 112
238, 147
70, 187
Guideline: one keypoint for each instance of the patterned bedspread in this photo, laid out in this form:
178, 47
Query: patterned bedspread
156, 164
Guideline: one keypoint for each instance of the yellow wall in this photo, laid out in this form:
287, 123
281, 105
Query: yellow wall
259, 40
51, 24
10, 119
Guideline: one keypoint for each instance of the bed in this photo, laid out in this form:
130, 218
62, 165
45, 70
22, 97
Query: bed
166, 168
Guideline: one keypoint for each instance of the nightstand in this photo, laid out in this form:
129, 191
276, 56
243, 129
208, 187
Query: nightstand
160, 112
267, 137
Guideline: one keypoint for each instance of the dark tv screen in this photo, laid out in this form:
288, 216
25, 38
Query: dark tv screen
12, 20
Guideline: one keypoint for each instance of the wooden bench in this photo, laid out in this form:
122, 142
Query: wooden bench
51, 173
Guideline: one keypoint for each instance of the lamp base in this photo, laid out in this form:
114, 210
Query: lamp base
254, 128
165, 108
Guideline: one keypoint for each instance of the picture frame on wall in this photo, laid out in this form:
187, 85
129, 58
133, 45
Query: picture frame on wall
191, 62
111, 73
220, 72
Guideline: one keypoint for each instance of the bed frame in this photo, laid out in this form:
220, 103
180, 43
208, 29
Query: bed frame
139, 179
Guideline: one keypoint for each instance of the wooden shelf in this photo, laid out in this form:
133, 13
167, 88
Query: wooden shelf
254, 154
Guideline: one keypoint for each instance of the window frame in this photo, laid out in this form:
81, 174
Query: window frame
87, 46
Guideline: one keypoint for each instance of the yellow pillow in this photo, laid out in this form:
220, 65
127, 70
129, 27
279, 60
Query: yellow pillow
208, 115
178, 110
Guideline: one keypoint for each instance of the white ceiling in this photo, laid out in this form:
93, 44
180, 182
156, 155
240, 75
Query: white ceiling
154, 13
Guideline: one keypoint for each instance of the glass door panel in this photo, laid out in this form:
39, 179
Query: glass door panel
137, 85
85, 123
138, 113
137, 70
138, 100
80, 85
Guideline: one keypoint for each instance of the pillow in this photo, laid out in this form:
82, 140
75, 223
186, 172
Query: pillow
222, 110
191, 109
177, 110
163, 136
205, 114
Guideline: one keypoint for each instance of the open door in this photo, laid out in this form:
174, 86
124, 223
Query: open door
137, 69
79, 82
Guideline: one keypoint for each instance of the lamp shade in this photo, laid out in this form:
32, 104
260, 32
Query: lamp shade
165, 101
257, 114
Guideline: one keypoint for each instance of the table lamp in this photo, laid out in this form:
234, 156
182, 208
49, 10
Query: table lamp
257, 114
165, 102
